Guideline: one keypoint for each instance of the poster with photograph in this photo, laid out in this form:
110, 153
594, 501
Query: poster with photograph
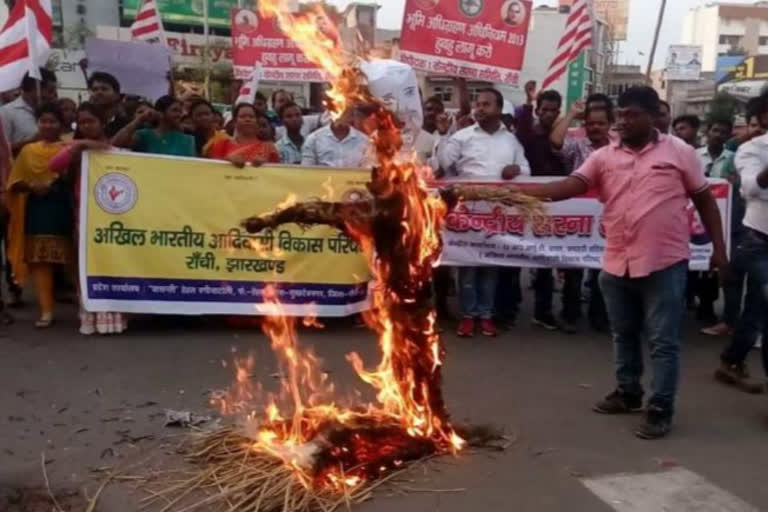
683, 62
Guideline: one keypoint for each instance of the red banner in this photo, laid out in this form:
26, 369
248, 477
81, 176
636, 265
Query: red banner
257, 39
474, 39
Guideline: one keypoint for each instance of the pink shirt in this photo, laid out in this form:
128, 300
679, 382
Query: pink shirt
646, 195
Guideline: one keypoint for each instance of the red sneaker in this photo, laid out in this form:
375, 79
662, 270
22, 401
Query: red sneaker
466, 328
488, 328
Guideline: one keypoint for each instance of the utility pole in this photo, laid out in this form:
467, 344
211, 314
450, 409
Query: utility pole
656, 39
207, 51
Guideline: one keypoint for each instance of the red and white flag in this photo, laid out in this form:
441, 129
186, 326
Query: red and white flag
249, 88
25, 42
576, 39
148, 26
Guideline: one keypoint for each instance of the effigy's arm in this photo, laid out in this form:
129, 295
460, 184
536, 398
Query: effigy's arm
356, 218
528, 206
351, 218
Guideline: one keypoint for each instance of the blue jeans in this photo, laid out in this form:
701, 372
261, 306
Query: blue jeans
598, 316
477, 294
751, 257
653, 308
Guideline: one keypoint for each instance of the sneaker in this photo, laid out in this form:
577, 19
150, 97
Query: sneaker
444, 314
601, 326
721, 329
466, 328
759, 342
657, 424
488, 328
16, 302
547, 322
736, 375
504, 324
87, 324
569, 327
619, 403
706, 315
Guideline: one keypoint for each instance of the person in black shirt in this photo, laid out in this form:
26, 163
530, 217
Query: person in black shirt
105, 92
546, 161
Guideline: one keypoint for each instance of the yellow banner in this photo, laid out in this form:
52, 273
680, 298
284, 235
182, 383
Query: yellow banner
161, 235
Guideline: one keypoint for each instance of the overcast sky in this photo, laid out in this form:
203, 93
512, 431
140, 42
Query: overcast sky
642, 21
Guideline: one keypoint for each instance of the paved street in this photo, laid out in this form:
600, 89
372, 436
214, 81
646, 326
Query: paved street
89, 402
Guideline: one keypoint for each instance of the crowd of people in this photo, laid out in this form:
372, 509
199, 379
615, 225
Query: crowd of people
644, 175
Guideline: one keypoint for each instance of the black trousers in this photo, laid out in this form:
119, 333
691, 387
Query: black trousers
544, 287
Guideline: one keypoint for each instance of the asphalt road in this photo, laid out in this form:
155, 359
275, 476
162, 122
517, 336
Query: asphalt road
90, 402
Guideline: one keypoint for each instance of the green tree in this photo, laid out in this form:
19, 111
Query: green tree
723, 107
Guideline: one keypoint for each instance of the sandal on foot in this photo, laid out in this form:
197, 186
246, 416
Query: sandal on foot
44, 323
6, 318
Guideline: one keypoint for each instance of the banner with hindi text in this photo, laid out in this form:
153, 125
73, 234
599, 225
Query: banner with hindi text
161, 235
473, 39
571, 235
259, 40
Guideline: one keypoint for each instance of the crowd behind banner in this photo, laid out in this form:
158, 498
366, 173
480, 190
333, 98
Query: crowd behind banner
644, 175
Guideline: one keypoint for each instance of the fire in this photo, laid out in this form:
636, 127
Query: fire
329, 445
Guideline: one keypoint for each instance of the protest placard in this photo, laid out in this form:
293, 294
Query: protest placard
256, 39
474, 39
142, 69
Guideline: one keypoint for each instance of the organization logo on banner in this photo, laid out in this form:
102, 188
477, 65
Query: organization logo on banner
471, 8
247, 21
116, 193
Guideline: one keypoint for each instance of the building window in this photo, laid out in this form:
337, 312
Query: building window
731, 40
445, 93
762, 41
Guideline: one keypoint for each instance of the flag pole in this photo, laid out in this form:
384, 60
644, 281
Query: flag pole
655, 40
206, 58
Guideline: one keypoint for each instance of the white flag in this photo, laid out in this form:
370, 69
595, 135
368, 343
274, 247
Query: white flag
250, 87
148, 26
25, 42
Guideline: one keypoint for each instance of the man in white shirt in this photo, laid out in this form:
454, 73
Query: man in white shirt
486, 151
336, 145
18, 117
751, 254
714, 158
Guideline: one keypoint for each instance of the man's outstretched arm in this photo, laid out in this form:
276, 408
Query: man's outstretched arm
559, 190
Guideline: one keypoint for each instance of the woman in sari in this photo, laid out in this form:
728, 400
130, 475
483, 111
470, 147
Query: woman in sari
252, 142
206, 131
165, 139
41, 208
90, 135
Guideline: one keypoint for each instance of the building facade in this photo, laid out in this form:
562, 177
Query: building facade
547, 25
686, 96
621, 77
723, 29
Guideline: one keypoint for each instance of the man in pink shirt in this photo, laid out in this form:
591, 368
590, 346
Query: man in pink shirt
645, 181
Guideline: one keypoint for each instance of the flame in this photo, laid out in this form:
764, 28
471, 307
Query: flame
407, 378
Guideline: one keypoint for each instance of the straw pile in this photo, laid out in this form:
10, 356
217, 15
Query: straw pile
233, 476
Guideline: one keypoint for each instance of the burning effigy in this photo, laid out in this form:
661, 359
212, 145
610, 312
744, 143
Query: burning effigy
313, 454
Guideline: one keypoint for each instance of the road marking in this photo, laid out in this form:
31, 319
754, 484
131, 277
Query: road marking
678, 490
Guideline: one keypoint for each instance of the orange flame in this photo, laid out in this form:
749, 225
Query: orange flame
407, 378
